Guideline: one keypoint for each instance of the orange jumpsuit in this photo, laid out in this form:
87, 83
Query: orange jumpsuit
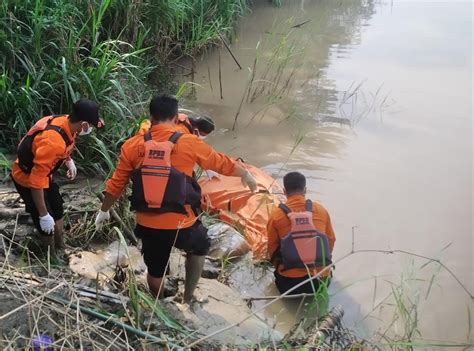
188, 151
279, 225
48, 149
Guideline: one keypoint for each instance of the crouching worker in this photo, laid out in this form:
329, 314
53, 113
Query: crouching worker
200, 126
44, 149
300, 239
160, 164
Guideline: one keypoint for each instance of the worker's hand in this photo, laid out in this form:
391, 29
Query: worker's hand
249, 181
47, 224
71, 169
101, 217
211, 174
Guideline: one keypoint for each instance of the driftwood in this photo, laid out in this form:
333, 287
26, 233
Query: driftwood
313, 332
6, 213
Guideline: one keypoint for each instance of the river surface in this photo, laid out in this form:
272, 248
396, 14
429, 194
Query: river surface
373, 103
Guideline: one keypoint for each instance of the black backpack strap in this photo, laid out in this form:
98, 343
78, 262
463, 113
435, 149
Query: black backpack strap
175, 136
284, 208
61, 132
147, 136
308, 205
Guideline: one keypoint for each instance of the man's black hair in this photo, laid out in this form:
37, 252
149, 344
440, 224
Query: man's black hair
163, 107
85, 110
294, 182
204, 124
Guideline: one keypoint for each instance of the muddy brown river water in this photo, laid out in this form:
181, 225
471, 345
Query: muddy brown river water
373, 103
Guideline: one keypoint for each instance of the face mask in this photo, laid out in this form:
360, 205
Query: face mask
87, 131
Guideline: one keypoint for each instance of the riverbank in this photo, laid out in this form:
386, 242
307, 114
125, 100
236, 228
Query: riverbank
100, 297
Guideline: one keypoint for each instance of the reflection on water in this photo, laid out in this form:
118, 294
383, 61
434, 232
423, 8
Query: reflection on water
378, 116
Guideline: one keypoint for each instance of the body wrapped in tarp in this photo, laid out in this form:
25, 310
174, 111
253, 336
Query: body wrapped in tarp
236, 205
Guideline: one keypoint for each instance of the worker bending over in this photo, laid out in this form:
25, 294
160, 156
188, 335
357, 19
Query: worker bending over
160, 164
300, 239
44, 149
201, 126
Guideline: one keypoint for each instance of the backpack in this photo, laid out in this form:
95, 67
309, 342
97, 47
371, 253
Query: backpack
25, 148
158, 186
304, 246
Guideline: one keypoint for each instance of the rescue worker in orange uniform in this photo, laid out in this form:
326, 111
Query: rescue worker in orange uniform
46, 147
201, 126
160, 164
300, 238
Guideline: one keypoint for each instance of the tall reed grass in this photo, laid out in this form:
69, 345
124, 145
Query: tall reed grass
53, 52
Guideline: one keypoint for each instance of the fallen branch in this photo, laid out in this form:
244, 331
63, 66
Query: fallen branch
11, 212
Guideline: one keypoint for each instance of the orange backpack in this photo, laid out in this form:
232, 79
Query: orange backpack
304, 246
157, 185
25, 148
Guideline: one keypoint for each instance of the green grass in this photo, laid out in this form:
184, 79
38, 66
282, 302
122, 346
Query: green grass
117, 52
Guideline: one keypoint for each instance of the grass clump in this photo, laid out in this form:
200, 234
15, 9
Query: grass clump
54, 52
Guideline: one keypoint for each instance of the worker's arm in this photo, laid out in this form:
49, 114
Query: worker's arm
48, 148
121, 177
208, 158
38, 199
117, 183
108, 202
330, 233
273, 243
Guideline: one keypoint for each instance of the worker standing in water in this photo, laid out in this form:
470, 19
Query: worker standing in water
160, 163
45, 148
300, 239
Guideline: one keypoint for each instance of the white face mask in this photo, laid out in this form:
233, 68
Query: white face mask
87, 131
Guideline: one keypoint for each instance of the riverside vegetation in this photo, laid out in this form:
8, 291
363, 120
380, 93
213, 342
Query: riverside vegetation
117, 52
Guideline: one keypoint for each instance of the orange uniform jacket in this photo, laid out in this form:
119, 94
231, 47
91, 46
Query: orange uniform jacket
279, 225
180, 126
188, 151
48, 149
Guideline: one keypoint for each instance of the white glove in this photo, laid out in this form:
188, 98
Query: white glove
211, 174
248, 180
47, 224
101, 217
71, 169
